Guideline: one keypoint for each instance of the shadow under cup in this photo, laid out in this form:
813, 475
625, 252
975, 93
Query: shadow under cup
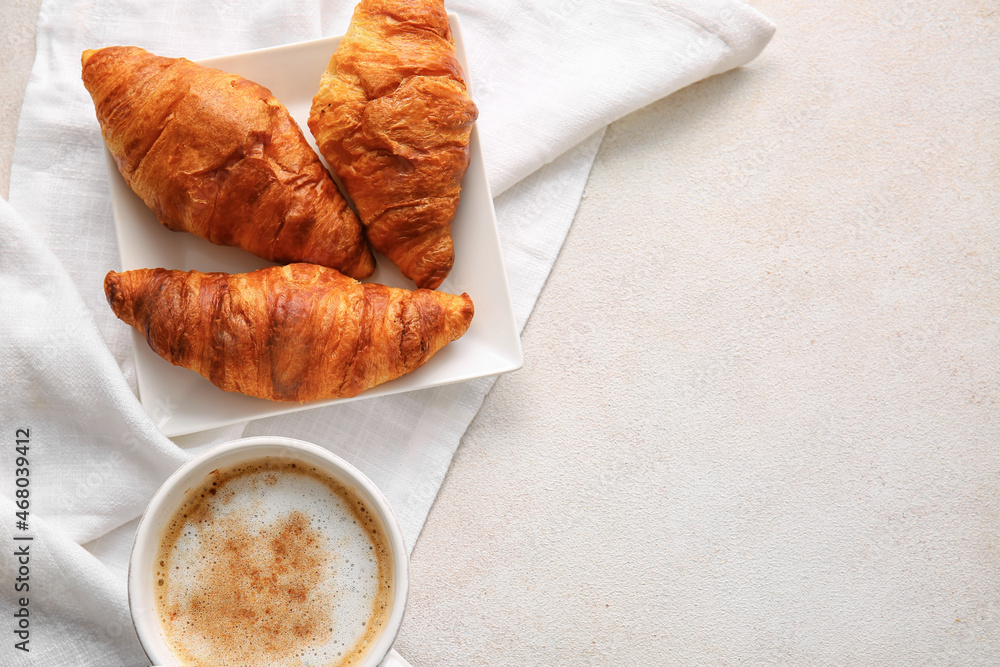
142, 579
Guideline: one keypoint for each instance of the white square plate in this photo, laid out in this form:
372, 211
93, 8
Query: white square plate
181, 401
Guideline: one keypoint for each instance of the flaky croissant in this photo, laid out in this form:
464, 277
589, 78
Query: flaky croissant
298, 332
393, 119
217, 155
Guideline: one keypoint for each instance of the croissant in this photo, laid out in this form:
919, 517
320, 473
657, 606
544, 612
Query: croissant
298, 332
393, 119
217, 155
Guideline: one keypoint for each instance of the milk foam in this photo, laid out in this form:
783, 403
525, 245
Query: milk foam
270, 564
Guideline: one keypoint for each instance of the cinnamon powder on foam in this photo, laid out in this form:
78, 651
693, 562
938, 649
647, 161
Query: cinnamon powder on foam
271, 563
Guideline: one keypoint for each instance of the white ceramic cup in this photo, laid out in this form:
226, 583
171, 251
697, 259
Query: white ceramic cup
170, 495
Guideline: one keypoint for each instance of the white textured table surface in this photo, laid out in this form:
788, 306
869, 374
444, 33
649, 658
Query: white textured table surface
758, 420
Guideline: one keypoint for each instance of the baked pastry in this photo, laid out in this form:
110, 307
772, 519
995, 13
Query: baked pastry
392, 118
218, 156
298, 332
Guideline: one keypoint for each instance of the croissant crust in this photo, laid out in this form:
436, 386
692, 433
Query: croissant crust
393, 118
291, 333
217, 155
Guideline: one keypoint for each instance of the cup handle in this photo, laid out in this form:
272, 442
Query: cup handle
393, 659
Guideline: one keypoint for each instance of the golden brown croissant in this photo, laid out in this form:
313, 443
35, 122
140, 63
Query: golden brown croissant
392, 118
287, 333
217, 155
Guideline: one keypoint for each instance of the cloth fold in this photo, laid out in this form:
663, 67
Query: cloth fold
547, 80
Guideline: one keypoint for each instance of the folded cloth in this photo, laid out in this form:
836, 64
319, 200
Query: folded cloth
547, 80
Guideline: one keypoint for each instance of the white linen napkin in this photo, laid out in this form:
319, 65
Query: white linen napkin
547, 77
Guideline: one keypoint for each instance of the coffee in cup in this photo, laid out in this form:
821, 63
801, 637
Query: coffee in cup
272, 560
